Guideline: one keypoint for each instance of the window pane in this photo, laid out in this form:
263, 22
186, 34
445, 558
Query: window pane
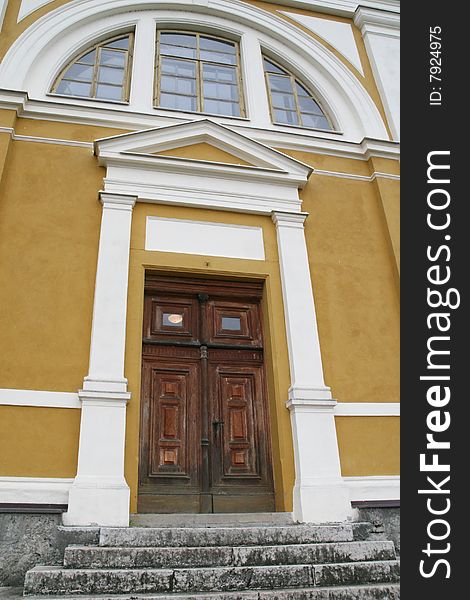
80, 72
178, 51
179, 68
271, 67
108, 92
221, 74
178, 39
309, 105
73, 88
178, 102
286, 116
280, 84
216, 45
88, 59
113, 58
232, 323
286, 101
177, 85
221, 91
172, 319
222, 108
218, 57
318, 122
122, 43
110, 75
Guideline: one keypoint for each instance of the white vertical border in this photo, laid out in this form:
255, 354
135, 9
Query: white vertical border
100, 494
3, 10
320, 494
381, 34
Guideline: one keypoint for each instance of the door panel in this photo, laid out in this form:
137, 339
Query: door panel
205, 442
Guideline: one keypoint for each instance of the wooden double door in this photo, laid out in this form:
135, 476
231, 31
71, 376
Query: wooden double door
204, 441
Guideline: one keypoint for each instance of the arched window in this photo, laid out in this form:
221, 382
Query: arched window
102, 72
290, 101
198, 73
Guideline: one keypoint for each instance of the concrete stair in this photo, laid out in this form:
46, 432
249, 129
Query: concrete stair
268, 557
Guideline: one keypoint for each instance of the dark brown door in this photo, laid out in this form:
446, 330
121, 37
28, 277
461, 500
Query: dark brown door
205, 442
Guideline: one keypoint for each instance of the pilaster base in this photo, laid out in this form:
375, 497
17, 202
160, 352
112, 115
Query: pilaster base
322, 501
94, 502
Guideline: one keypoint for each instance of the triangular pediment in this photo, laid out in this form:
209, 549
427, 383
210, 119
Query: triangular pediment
198, 144
204, 152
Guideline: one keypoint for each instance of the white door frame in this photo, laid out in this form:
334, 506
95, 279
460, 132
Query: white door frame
99, 494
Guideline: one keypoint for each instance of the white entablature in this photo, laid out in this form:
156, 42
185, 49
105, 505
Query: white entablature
269, 182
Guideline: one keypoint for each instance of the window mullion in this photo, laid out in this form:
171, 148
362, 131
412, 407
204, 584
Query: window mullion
296, 97
199, 97
94, 83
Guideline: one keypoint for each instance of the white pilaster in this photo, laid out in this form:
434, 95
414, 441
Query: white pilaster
381, 33
99, 494
320, 494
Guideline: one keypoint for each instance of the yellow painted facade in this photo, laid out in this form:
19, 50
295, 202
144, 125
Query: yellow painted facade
50, 218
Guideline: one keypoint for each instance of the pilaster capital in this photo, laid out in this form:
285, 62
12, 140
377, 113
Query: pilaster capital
378, 22
117, 201
315, 399
289, 219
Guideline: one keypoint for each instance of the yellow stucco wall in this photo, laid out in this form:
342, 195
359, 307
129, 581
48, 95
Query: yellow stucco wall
51, 206
49, 231
38, 442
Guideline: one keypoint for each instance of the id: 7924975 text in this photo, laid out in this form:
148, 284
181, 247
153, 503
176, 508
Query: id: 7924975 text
435, 65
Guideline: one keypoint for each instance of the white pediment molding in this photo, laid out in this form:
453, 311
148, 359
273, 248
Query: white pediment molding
269, 182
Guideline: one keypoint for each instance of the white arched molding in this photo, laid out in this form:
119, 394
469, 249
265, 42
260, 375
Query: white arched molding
36, 57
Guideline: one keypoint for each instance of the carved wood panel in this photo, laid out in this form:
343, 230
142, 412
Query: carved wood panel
169, 432
205, 435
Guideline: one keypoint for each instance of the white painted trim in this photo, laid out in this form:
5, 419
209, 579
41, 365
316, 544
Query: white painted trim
29, 6
373, 488
338, 34
133, 168
340, 8
367, 409
34, 490
319, 492
375, 175
204, 238
381, 33
100, 494
289, 138
55, 141
44, 399
3, 10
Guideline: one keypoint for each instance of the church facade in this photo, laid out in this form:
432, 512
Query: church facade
199, 211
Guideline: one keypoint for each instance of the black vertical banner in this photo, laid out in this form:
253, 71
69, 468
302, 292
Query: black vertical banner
435, 252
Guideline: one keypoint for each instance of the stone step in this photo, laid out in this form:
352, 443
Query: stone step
360, 592
56, 580
224, 536
89, 557
211, 520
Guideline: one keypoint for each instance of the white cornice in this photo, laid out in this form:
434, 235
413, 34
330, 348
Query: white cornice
371, 21
133, 168
140, 147
302, 141
341, 8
